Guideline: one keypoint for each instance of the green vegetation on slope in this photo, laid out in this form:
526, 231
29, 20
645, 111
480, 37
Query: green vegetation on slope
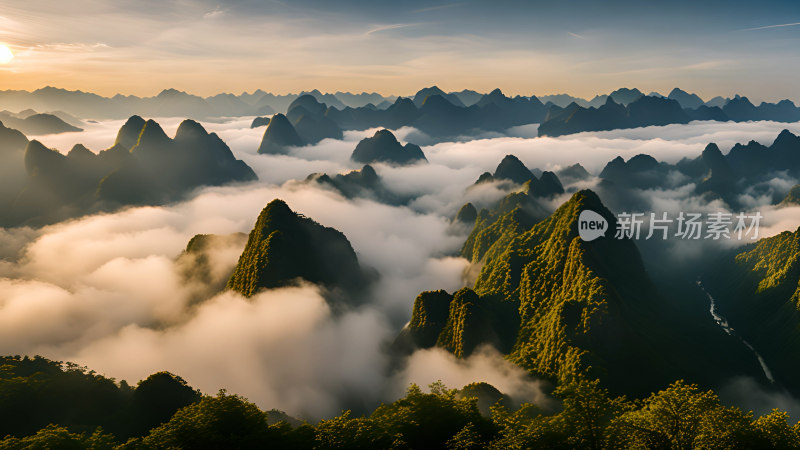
584, 309
285, 246
758, 291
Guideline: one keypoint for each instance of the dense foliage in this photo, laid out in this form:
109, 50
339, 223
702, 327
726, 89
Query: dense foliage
579, 308
680, 416
35, 392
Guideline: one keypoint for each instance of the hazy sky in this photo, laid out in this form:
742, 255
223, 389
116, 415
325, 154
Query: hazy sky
536, 47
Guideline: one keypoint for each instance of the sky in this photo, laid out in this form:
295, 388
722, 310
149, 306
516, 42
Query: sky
538, 47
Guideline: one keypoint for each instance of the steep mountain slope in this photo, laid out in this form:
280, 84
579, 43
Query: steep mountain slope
12, 166
758, 291
285, 247
582, 308
793, 197
279, 135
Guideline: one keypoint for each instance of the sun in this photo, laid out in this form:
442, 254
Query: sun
5, 54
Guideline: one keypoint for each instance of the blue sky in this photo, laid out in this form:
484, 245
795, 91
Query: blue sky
579, 47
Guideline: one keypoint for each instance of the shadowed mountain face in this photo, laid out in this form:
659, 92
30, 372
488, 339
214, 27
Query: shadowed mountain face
758, 292
455, 114
793, 197
363, 183
644, 111
279, 136
513, 170
573, 173
563, 307
467, 215
36, 123
651, 110
423, 94
305, 123
285, 247
441, 116
154, 170
12, 165
259, 122
626, 96
384, 147
685, 99
309, 119
747, 168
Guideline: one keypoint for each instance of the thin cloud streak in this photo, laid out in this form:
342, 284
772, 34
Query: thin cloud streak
389, 27
772, 26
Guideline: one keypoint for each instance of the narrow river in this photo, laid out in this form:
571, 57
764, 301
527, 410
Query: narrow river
722, 322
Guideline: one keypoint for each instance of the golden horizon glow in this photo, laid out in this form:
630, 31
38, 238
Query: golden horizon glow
6, 55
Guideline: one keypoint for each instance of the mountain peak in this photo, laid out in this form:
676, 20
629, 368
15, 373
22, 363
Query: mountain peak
189, 129
80, 151
128, 134
279, 135
285, 246
171, 92
384, 147
786, 137
152, 134
511, 168
711, 150
309, 102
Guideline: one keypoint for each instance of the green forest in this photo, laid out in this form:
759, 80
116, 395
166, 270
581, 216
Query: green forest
50, 404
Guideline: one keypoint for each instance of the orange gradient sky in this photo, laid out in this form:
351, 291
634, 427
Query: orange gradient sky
206, 48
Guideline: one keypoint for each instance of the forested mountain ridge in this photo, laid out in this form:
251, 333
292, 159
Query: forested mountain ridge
582, 309
758, 291
284, 247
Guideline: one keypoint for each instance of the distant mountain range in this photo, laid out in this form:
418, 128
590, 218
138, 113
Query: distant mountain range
745, 168
432, 110
32, 123
173, 103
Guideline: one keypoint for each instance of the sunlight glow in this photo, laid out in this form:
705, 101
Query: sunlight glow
5, 54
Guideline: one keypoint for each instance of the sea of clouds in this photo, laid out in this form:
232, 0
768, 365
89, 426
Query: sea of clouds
107, 291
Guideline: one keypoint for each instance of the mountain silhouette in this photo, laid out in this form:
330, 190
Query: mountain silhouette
279, 135
36, 123
156, 169
685, 99
364, 183
259, 122
384, 147
423, 94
